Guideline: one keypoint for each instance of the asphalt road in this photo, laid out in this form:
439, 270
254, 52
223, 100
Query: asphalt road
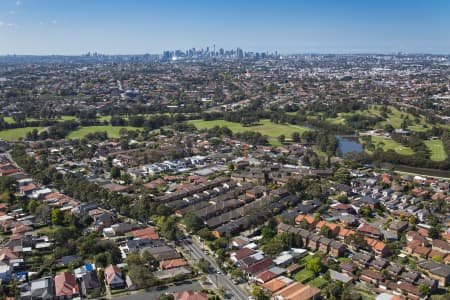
220, 280
192, 285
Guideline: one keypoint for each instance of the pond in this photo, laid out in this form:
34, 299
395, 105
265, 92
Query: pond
347, 145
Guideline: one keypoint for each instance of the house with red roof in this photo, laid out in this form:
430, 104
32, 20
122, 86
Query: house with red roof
113, 277
66, 286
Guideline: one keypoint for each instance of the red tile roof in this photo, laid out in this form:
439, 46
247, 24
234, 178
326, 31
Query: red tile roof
66, 285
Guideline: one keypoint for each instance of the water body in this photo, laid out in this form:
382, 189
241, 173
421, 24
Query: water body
347, 145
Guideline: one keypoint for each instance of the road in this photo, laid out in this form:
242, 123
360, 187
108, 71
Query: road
220, 280
156, 292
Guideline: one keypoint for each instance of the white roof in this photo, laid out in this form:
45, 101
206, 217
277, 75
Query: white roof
251, 246
282, 259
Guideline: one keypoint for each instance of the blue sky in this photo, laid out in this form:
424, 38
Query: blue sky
150, 26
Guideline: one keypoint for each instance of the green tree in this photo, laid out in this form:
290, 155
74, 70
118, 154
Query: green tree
115, 173
325, 231
57, 216
342, 175
192, 222
141, 276
205, 234
296, 137
314, 265
259, 294
32, 205
204, 265
434, 233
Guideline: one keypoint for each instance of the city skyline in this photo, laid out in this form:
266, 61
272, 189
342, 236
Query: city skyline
137, 27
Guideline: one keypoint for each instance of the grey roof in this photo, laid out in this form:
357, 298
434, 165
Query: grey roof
342, 277
435, 268
42, 288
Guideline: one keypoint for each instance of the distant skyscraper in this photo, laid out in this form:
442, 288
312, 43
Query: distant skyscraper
239, 53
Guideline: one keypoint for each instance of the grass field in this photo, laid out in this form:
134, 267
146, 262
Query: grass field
388, 144
265, 127
113, 132
303, 275
318, 282
436, 149
16, 133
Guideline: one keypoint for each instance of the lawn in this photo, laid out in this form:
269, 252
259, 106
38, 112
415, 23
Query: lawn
344, 259
303, 275
113, 132
436, 149
318, 282
389, 144
16, 133
265, 127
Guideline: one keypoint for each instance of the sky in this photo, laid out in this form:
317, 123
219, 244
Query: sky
289, 26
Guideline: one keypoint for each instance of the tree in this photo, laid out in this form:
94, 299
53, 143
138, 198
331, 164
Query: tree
342, 175
32, 205
141, 276
205, 234
204, 265
115, 173
168, 228
314, 265
57, 216
192, 222
357, 240
282, 138
424, 288
237, 274
296, 137
163, 210
412, 219
365, 211
166, 297
434, 233
150, 260
325, 231
259, 294
273, 248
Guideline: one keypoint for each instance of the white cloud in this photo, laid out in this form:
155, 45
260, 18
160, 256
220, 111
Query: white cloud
18, 2
12, 12
1, 23
54, 22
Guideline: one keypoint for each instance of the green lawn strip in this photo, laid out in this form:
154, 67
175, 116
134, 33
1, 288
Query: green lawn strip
344, 259
16, 133
303, 276
112, 131
318, 282
436, 149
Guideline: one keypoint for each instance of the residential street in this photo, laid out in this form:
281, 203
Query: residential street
158, 291
220, 280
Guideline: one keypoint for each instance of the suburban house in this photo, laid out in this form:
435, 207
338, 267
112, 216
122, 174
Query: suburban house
66, 286
113, 277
